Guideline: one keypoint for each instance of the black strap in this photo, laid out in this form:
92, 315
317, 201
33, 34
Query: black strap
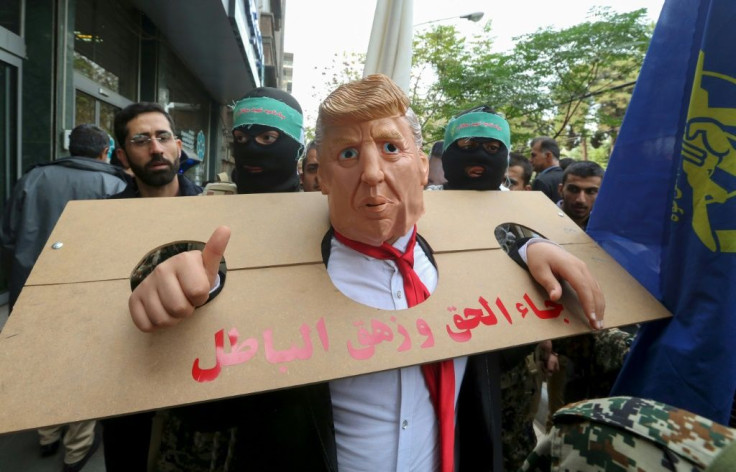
427, 249
514, 252
327, 245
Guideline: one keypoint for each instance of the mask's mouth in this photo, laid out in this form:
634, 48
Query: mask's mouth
474, 171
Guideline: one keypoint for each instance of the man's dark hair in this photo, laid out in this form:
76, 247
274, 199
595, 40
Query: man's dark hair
480, 108
547, 144
437, 149
518, 159
88, 140
124, 116
310, 146
583, 169
566, 161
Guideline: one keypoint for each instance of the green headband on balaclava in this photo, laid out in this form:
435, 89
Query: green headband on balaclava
262, 168
455, 161
478, 125
268, 111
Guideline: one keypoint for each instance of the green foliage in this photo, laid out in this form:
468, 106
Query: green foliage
576, 65
343, 68
437, 65
571, 84
445, 81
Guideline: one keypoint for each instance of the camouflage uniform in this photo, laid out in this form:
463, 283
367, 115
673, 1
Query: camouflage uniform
519, 397
630, 434
157, 256
182, 447
596, 360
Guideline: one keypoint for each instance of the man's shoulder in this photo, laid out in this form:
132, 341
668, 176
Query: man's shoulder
75, 162
72, 164
187, 188
549, 176
553, 172
130, 191
70, 171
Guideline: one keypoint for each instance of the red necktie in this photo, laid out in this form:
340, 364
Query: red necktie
440, 376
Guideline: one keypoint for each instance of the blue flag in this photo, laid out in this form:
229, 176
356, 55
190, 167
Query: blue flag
667, 209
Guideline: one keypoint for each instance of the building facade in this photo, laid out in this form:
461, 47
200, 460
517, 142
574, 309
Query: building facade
67, 62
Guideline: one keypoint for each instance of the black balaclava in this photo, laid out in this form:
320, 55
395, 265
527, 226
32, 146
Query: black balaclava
277, 161
480, 124
456, 160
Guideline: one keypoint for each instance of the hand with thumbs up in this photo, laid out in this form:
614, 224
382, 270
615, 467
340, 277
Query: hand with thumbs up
177, 286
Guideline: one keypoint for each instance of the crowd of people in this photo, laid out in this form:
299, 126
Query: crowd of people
469, 413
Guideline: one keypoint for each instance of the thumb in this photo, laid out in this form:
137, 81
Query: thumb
545, 278
214, 250
553, 288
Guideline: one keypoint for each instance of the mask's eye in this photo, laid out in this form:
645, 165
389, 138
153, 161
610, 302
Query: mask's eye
390, 148
347, 154
467, 144
492, 147
269, 137
240, 138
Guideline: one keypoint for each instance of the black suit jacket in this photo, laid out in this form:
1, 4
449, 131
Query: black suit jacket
549, 183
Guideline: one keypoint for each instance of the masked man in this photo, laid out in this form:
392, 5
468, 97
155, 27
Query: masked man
476, 150
267, 141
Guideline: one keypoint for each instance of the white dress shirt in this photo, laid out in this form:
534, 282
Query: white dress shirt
384, 421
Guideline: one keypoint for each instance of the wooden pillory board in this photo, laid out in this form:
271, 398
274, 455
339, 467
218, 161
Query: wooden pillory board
70, 351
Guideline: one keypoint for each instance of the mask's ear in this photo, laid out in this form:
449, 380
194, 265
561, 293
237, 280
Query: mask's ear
122, 157
424, 166
324, 180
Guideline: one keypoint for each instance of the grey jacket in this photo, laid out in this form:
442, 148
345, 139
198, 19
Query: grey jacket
36, 204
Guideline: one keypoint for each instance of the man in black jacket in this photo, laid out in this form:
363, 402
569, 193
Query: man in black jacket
41, 194
147, 145
30, 215
545, 159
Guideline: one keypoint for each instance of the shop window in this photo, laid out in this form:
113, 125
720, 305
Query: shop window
189, 105
88, 109
84, 109
106, 39
9, 139
10, 12
8, 128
